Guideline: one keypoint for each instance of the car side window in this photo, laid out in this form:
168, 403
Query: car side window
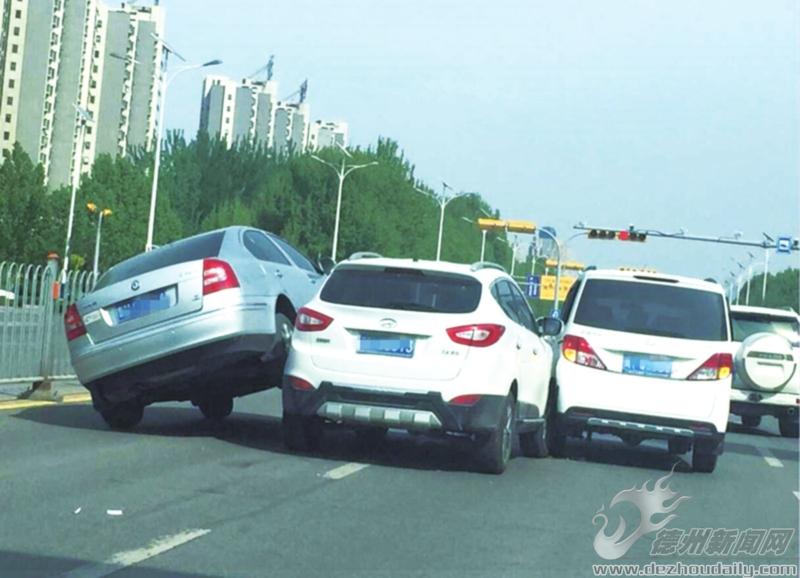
501, 291
262, 248
569, 301
524, 312
299, 259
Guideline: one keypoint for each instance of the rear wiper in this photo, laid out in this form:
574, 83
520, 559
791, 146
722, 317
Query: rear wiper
410, 306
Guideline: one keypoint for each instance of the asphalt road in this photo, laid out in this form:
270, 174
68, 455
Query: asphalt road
181, 496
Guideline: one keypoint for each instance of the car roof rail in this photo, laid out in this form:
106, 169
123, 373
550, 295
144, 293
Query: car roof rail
486, 265
710, 280
364, 255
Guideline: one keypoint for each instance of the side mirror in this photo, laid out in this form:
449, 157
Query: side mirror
325, 265
550, 326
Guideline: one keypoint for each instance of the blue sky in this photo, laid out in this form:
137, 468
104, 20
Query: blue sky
664, 114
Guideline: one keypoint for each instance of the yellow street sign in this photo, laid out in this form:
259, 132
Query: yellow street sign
520, 226
548, 286
491, 225
572, 265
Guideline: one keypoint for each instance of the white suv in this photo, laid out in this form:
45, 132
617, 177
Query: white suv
645, 356
423, 346
767, 379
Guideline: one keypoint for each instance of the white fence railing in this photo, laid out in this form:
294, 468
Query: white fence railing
33, 346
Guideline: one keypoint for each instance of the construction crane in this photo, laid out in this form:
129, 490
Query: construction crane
266, 69
300, 93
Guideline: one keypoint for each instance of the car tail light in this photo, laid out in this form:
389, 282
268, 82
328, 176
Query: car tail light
298, 383
465, 400
478, 335
577, 350
718, 366
310, 320
218, 275
73, 324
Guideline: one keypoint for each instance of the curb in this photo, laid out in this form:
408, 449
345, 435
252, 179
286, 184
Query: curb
31, 402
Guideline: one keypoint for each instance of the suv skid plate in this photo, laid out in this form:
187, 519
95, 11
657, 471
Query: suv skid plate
599, 422
380, 416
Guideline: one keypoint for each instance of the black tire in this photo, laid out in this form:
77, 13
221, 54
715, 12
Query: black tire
534, 443
494, 448
216, 408
277, 357
704, 462
123, 416
301, 433
371, 436
789, 426
678, 447
751, 420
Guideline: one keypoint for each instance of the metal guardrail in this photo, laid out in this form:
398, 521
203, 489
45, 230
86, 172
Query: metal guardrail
33, 347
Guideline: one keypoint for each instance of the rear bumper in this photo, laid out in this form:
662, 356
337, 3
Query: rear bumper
759, 403
403, 410
580, 419
251, 321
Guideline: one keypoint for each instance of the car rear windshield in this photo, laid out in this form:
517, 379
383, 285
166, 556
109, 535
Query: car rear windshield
653, 309
403, 289
191, 249
746, 324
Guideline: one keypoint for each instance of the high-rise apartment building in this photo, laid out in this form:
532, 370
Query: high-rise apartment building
291, 127
327, 134
55, 56
239, 111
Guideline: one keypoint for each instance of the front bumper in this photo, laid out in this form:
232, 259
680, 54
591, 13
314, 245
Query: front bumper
425, 412
760, 403
580, 419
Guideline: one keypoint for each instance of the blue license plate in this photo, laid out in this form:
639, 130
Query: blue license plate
392, 346
637, 365
145, 304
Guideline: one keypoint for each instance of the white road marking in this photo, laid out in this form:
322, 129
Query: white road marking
125, 559
769, 458
344, 471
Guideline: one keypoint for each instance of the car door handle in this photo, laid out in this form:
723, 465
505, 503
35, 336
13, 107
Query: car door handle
536, 351
278, 274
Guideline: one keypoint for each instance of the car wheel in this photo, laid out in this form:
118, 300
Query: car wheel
277, 357
703, 461
123, 416
216, 408
534, 443
789, 426
679, 446
301, 433
371, 436
494, 448
751, 420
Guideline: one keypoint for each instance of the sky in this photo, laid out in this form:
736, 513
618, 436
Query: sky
663, 114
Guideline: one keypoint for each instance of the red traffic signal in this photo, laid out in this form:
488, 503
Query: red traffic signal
618, 235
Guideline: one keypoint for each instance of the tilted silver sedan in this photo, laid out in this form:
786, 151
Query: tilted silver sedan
204, 319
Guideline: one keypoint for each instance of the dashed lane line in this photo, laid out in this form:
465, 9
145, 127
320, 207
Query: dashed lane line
344, 471
769, 458
131, 557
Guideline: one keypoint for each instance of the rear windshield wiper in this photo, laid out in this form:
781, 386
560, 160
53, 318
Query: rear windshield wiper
410, 306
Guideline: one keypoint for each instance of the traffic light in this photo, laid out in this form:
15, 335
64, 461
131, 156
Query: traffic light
609, 234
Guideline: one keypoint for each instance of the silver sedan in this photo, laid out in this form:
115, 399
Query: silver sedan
205, 319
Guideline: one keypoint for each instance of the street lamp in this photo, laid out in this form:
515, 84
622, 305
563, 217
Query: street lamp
483, 233
157, 161
84, 118
341, 172
92, 208
443, 201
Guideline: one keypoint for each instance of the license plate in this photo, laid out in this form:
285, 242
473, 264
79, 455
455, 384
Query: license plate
146, 304
392, 346
637, 365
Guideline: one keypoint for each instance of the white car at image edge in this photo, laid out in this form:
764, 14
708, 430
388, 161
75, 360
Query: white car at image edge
424, 346
645, 356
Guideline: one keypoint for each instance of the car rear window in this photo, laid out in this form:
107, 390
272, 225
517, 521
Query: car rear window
403, 289
191, 249
652, 309
746, 324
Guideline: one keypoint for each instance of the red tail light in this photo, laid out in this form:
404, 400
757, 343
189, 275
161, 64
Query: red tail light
73, 324
310, 320
218, 275
577, 350
299, 383
466, 400
718, 366
478, 335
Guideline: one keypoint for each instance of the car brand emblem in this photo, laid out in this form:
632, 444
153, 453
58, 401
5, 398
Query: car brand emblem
135, 286
387, 323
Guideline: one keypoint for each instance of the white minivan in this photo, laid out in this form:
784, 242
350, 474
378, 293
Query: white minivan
645, 356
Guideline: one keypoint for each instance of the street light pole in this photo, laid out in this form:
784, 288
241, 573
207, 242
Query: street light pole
483, 243
558, 267
103, 213
84, 117
443, 202
341, 172
151, 221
